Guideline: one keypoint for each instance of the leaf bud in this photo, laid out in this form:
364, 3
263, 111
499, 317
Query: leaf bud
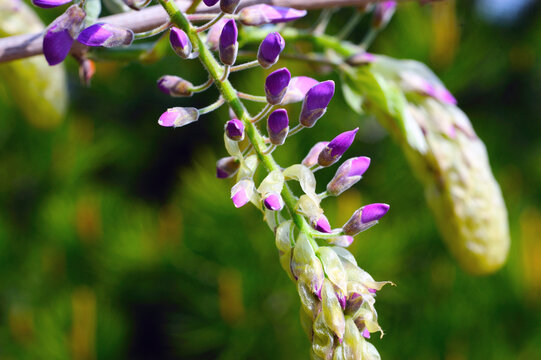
228, 44
175, 86
270, 49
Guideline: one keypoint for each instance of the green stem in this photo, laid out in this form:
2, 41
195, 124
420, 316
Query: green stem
266, 109
250, 97
230, 96
369, 38
202, 87
210, 23
350, 25
295, 130
245, 66
155, 31
212, 106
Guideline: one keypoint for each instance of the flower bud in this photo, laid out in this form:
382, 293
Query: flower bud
278, 126
297, 89
276, 85
336, 148
311, 159
320, 223
180, 42
229, 6
106, 35
348, 174
273, 201
234, 129
383, 13
227, 167
178, 116
213, 35
342, 241
228, 43
210, 2
242, 192
257, 15
270, 49
364, 218
175, 86
47, 4
61, 33
315, 102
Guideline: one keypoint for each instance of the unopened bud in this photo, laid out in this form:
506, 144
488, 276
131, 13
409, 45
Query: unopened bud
311, 159
347, 175
383, 13
315, 102
278, 126
273, 201
229, 6
61, 33
364, 218
270, 49
175, 86
242, 192
257, 15
180, 43
178, 116
227, 167
336, 148
106, 35
320, 223
234, 129
210, 2
228, 43
276, 85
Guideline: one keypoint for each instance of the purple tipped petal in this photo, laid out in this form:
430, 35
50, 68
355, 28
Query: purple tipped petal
366, 333
234, 129
180, 42
274, 202
56, 45
240, 198
444, 95
47, 4
311, 159
373, 212
297, 89
178, 116
106, 35
315, 102
359, 166
228, 43
347, 175
336, 148
210, 2
276, 85
372, 291
213, 36
270, 49
278, 126
321, 224
261, 14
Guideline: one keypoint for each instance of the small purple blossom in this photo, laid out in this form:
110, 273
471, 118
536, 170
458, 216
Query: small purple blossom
276, 85
178, 116
180, 42
261, 14
373, 212
240, 198
227, 167
242, 192
274, 202
278, 126
106, 35
315, 102
234, 129
270, 49
60, 35
364, 218
311, 159
228, 43
347, 175
175, 86
321, 224
47, 4
336, 148
297, 89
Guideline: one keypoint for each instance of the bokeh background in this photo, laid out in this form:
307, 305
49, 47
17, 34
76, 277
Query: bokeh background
118, 242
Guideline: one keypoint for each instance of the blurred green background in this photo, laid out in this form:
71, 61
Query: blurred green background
117, 241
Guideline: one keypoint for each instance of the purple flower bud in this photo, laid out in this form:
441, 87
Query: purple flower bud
321, 224
227, 167
175, 86
106, 35
348, 174
47, 4
213, 36
234, 129
364, 218
228, 43
361, 58
278, 126
229, 6
270, 49
315, 102
210, 2
336, 148
240, 198
178, 116
274, 202
297, 89
276, 85
383, 13
242, 192
180, 42
61, 34
311, 159
261, 14
366, 333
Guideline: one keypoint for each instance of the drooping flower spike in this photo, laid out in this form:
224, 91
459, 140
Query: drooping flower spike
315, 102
276, 85
257, 15
228, 45
336, 148
270, 49
47, 4
60, 35
106, 35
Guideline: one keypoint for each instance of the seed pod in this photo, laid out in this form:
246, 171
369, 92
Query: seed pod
278, 126
306, 266
315, 102
323, 338
347, 175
